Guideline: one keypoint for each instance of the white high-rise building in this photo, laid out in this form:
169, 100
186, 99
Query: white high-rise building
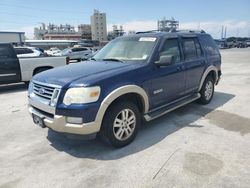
99, 26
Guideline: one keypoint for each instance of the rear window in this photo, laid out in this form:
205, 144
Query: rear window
23, 51
210, 45
5, 52
79, 49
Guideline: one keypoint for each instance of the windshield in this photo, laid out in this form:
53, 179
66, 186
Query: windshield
127, 49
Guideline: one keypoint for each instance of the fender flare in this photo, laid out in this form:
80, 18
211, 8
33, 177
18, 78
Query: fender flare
208, 70
117, 93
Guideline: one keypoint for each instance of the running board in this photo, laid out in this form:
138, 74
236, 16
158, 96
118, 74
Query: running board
165, 109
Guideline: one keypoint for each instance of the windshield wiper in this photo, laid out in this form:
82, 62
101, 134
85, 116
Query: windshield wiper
92, 58
112, 59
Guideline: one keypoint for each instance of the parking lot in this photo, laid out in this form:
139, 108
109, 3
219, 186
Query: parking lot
194, 146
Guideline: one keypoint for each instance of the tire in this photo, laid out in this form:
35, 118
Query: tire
115, 129
40, 70
207, 91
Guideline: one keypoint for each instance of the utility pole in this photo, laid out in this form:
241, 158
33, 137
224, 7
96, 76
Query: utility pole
222, 31
225, 34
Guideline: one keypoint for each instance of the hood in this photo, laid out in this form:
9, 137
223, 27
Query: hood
68, 74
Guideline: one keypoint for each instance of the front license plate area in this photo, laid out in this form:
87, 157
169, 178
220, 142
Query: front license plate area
38, 120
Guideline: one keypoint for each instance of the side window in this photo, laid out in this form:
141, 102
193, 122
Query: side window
74, 50
82, 49
171, 47
189, 48
210, 45
198, 47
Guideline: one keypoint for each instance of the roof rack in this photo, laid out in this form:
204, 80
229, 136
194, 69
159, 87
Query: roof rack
190, 31
171, 31
150, 31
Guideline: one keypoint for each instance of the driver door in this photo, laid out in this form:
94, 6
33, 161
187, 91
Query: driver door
168, 83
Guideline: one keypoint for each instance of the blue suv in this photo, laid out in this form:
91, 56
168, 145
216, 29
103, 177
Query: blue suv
133, 78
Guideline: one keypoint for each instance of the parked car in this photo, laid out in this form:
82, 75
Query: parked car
14, 69
135, 77
76, 53
248, 43
28, 52
241, 44
52, 51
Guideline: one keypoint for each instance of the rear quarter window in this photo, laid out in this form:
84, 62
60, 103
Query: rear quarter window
209, 45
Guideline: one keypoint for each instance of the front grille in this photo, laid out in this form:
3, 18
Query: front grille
43, 91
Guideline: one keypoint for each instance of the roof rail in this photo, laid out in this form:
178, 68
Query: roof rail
171, 31
190, 31
150, 31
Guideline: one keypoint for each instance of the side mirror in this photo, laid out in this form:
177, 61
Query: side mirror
165, 60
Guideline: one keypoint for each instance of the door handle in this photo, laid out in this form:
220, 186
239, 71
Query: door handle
180, 68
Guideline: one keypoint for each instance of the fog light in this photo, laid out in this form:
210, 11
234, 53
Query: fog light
74, 120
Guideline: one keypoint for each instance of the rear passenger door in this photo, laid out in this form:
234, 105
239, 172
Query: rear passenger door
194, 63
9, 65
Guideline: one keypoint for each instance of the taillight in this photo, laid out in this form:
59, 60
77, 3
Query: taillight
67, 60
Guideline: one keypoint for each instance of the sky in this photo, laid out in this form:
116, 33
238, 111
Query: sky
139, 15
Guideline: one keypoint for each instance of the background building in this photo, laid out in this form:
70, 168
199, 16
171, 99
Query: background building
46, 44
168, 25
62, 32
40, 32
131, 32
85, 31
12, 37
116, 32
99, 26
61, 36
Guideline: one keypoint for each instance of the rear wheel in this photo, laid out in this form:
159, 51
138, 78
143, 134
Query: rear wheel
207, 91
121, 123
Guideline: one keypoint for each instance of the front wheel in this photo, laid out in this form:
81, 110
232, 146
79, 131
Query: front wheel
121, 123
207, 91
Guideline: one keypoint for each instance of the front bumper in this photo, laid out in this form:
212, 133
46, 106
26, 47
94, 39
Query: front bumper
58, 123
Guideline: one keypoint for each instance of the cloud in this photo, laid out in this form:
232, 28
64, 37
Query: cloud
234, 27
137, 26
29, 31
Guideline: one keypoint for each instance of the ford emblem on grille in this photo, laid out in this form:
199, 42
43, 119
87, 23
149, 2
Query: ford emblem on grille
41, 91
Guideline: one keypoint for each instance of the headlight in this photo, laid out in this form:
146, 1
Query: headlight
81, 95
30, 89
